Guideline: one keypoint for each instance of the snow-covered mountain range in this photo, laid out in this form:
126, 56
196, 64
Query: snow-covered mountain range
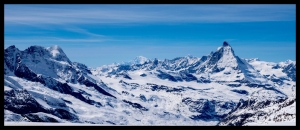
44, 85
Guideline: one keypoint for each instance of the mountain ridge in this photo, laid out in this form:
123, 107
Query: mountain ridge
184, 90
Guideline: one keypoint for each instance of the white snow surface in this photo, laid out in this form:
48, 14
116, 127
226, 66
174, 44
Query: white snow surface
51, 124
284, 123
114, 110
265, 68
285, 115
54, 50
228, 59
140, 60
164, 108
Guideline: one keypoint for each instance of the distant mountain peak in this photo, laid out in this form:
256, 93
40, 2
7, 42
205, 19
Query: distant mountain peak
189, 55
290, 61
140, 57
12, 46
252, 59
136, 60
140, 60
219, 87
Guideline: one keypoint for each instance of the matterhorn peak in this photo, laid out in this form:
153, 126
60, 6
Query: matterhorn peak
223, 57
227, 49
225, 43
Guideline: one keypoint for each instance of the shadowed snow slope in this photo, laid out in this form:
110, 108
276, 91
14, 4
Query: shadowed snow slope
44, 85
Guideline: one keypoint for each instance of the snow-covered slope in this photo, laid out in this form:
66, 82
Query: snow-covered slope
43, 85
281, 75
268, 112
50, 68
222, 65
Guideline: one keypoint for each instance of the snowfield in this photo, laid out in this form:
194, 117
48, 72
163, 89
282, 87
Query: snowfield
284, 123
49, 124
42, 87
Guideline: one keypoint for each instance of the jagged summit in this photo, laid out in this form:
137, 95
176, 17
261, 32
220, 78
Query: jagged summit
225, 43
55, 50
12, 46
58, 54
226, 66
41, 86
290, 62
36, 51
223, 57
11, 49
35, 47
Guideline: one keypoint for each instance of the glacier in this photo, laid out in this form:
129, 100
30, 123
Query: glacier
44, 85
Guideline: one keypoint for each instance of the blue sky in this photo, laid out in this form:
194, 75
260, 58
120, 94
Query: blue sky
103, 34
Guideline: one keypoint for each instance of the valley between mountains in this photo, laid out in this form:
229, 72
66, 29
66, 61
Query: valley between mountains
44, 85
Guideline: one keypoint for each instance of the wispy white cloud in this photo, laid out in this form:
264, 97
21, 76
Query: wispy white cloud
83, 31
55, 40
83, 14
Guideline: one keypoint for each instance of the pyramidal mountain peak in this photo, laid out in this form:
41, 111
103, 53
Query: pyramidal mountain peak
227, 49
225, 43
223, 57
43, 85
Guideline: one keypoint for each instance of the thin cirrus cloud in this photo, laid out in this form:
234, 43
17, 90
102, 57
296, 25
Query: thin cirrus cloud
87, 29
83, 31
105, 14
54, 39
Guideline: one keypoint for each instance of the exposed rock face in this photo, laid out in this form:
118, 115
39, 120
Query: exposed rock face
43, 85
